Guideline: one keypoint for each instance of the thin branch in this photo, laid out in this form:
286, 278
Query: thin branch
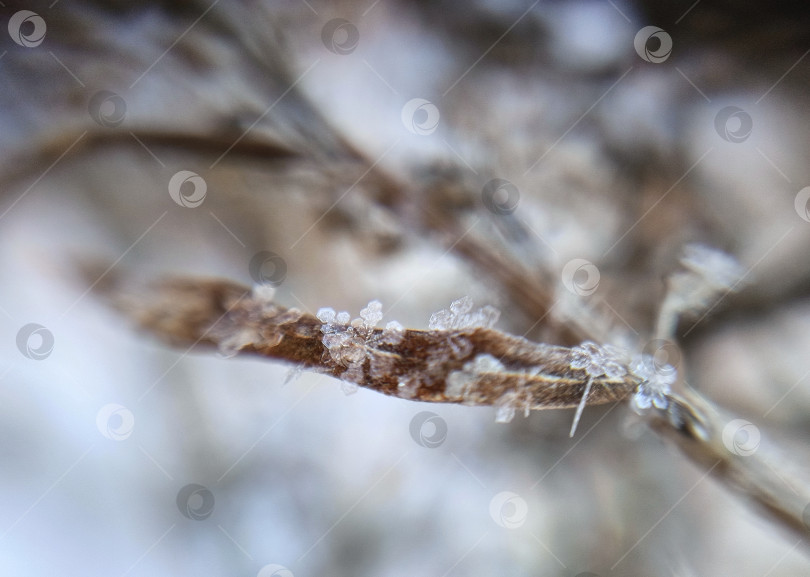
472, 366
696, 428
27, 161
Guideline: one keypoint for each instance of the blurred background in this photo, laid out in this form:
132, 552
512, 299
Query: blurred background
411, 152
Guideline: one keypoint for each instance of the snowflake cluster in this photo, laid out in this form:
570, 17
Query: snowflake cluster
612, 362
598, 360
655, 382
349, 344
461, 316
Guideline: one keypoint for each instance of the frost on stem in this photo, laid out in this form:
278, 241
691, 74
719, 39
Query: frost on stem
460, 318
465, 386
460, 384
472, 366
246, 332
509, 403
293, 374
264, 294
596, 360
655, 383
613, 362
188, 312
350, 345
371, 315
407, 387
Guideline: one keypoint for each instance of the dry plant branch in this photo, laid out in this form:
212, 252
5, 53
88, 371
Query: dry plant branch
221, 83
47, 151
459, 360
384, 190
698, 429
473, 365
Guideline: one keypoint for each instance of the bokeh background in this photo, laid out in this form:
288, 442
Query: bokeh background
620, 144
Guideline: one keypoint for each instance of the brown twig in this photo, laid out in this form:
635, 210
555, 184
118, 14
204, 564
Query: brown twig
46, 152
474, 365
696, 428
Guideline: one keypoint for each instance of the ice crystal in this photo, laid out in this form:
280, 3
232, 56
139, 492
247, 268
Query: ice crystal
461, 306
392, 334
235, 341
293, 374
347, 386
350, 344
372, 314
461, 316
598, 360
505, 413
655, 383
287, 317
459, 346
326, 315
486, 363
407, 388
263, 293
460, 384
509, 403
440, 320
